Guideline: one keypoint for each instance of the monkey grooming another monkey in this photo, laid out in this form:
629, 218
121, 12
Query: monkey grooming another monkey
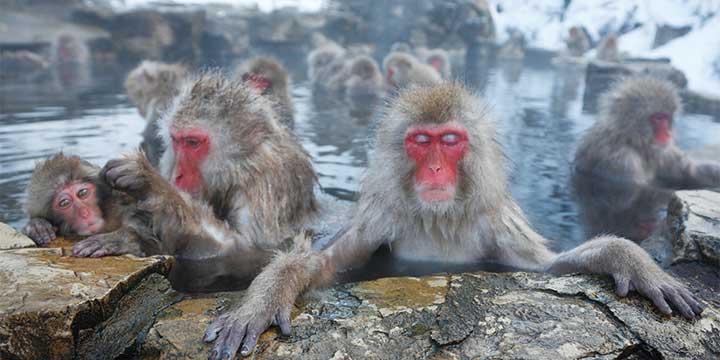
152, 86
437, 190
270, 78
234, 180
627, 163
404, 70
65, 197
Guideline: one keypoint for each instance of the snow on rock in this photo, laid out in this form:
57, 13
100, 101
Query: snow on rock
546, 22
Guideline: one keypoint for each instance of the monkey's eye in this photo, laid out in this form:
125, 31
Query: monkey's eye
64, 203
83, 193
422, 139
192, 142
450, 139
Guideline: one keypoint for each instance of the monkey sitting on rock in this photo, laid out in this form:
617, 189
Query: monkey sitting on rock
66, 198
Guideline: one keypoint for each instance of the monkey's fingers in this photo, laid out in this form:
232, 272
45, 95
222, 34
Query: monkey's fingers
86, 247
657, 297
215, 327
111, 164
282, 319
696, 306
229, 340
252, 334
677, 301
622, 286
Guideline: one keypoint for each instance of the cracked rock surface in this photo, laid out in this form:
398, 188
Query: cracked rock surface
694, 226
13, 239
55, 306
471, 315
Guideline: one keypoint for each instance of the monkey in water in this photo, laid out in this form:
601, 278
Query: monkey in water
233, 180
438, 59
577, 41
608, 49
270, 78
404, 70
65, 197
365, 79
627, 164
437, 190
152, 86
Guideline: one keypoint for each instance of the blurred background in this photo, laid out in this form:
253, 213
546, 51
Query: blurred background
63, 63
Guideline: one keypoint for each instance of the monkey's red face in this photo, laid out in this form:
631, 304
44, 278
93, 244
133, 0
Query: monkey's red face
436, 151
259, 82
662, 128
436, 63
77, 206
191, 147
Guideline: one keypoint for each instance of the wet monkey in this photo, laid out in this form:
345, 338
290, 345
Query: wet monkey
437, 190
66, 198
630, 150
233, 179
608, 49
577, 41
152, 86
365, 79
270, 78
439, 60
404, 70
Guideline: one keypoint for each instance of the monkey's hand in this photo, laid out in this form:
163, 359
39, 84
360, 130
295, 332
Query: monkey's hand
264, 304
131, 174
40, 231
113, 243
633, 270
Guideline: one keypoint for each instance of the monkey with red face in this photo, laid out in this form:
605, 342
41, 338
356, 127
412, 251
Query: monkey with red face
65, 197
270, 78
627, 165
437, 190
233, 180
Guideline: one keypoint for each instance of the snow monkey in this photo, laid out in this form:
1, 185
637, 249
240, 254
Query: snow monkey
404, 70
627, 164
270, 78
232, 181
152, 86
437, 190
65, 197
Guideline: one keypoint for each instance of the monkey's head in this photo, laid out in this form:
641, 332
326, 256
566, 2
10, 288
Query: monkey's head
265, 75
154, 81
323, 57
364, 67
66, 191
214, 127
397, 69
400, 47
436, 152
642, 109
437, 61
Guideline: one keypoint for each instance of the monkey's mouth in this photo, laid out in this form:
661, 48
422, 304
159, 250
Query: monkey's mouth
434, 193
91, 228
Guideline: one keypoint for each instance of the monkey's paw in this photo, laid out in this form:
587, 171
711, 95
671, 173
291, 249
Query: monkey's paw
243, 326
662, 289
99, 245
40, 231
129, 174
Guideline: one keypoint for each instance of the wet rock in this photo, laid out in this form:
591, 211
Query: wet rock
479, 315
599, 76
694, 226
666, 33
58, 307
13, 239
700, 103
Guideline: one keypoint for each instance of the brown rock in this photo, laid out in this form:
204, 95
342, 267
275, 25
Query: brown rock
59, 307
13, 239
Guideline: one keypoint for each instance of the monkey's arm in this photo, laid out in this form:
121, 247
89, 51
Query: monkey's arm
122, 241
632, 269
183, 226
40, 231
681, 172
270, 297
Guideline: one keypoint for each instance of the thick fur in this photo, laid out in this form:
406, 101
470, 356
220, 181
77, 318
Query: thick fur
264, 155
280, 84
482, 223
152, 86
577, 42
365, 78
618, 154
607, 50
429, 55
127, 226
408, 72
324, 63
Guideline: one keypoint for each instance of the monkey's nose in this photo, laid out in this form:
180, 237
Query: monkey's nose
84, 213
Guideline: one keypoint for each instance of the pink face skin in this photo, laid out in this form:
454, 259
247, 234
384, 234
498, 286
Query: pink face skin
436, 151
662, 128
77, 205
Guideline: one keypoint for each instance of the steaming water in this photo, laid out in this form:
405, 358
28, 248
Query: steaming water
538, 114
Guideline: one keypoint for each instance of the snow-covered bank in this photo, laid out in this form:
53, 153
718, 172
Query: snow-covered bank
545, 23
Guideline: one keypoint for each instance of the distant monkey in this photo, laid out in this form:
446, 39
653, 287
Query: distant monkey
437, 190
65, 197
627, 162
233, 179
577, 42
270, 78
365, 78
404, 70
152, 86
324, 62
439, 60
514, 47
608, 49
